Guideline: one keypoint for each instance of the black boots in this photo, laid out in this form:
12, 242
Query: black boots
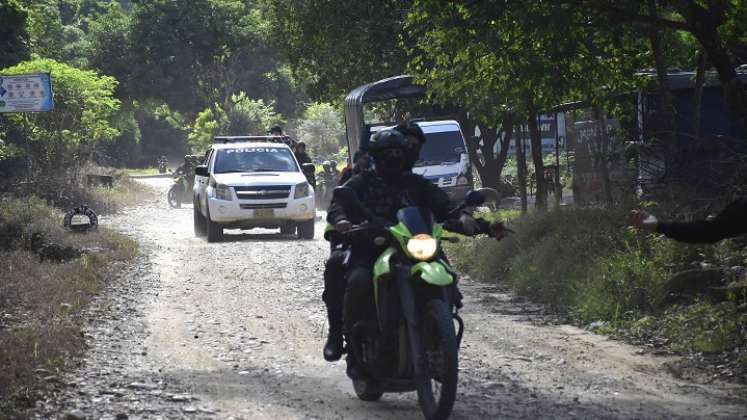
333, 347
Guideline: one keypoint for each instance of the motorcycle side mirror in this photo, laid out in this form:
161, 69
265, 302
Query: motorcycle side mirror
202, 170
308, 168
474, 198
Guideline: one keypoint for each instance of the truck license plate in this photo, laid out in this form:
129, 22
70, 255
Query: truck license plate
265, 213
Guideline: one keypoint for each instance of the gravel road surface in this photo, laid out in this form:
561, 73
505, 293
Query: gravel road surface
234, 331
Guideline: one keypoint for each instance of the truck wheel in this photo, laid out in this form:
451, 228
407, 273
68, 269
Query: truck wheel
214, 230
199, 222
306, 229
288, 229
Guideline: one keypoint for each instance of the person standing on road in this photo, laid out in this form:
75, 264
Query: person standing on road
731, 222
300, 152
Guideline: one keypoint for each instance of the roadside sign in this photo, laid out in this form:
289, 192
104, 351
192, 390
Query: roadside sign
26, 93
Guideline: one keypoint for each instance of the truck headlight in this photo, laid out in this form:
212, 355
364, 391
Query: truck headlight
223, 192
422, 247
302, 190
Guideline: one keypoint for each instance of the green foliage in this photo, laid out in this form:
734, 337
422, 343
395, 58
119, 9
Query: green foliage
83, 115
55, 31
334, 46
14, 36
629, 281
322, 129
494, 57
704, 327
586, 265
244, 116
212, 49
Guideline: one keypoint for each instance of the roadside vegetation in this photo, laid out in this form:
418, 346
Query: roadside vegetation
49, 277
584, 265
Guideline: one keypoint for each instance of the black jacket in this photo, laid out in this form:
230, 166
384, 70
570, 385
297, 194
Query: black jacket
303, 158
384, 199
731, 222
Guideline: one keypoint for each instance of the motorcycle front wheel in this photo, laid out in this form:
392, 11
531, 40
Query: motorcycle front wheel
437, 383
174, 196
366, 391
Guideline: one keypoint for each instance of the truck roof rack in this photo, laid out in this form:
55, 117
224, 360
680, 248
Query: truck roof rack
268, 139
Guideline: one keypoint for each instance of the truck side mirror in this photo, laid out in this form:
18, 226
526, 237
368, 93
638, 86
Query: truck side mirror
202, 170
308, 168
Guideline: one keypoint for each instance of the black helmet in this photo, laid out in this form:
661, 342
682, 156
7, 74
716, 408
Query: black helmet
390, 152
386, 139
276, 129
412, 131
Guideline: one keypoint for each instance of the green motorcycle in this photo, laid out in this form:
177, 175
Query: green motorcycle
411, 342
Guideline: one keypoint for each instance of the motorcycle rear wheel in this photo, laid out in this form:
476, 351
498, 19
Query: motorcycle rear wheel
174, 196
437, 386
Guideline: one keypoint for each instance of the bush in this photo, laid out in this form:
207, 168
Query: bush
583, 263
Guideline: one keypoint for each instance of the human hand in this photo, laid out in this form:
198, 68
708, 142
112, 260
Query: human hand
499, 231
469, 224
343, 226
642, 220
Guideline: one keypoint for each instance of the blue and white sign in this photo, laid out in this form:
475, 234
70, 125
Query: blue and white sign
26, 93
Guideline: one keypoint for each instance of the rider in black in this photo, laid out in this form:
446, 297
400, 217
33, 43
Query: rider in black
383, 192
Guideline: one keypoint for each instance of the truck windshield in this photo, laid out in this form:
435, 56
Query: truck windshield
254, 159
441, 148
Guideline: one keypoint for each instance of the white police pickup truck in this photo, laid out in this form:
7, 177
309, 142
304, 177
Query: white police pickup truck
252, 181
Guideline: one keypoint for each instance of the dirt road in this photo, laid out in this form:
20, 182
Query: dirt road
234, 331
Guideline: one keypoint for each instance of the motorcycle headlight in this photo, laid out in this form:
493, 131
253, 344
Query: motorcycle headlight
422, 247
223, 192
302, 190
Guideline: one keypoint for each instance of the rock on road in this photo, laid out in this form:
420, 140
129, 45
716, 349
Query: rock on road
234, 331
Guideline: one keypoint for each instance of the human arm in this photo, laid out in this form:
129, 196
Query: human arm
731, 222
337, 213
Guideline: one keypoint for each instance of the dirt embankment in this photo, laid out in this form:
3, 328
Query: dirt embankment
234, 330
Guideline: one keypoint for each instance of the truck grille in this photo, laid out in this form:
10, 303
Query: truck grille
263, 206
264, 192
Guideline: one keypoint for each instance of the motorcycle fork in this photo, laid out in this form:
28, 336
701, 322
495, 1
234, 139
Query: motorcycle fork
409, 312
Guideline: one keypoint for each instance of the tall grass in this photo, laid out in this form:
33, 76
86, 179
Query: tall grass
585, 264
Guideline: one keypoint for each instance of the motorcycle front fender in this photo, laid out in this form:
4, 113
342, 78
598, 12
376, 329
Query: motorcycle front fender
434, 273
383, 265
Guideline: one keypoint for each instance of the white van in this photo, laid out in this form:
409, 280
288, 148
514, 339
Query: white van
444, 159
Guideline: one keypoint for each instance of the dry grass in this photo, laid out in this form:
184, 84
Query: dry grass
41, 301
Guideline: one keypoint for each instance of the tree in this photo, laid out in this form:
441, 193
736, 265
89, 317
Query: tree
714, 23
244, 116
212, 49
84, 110
322, 129
14, 37
55, 31
336, 45
495, 57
